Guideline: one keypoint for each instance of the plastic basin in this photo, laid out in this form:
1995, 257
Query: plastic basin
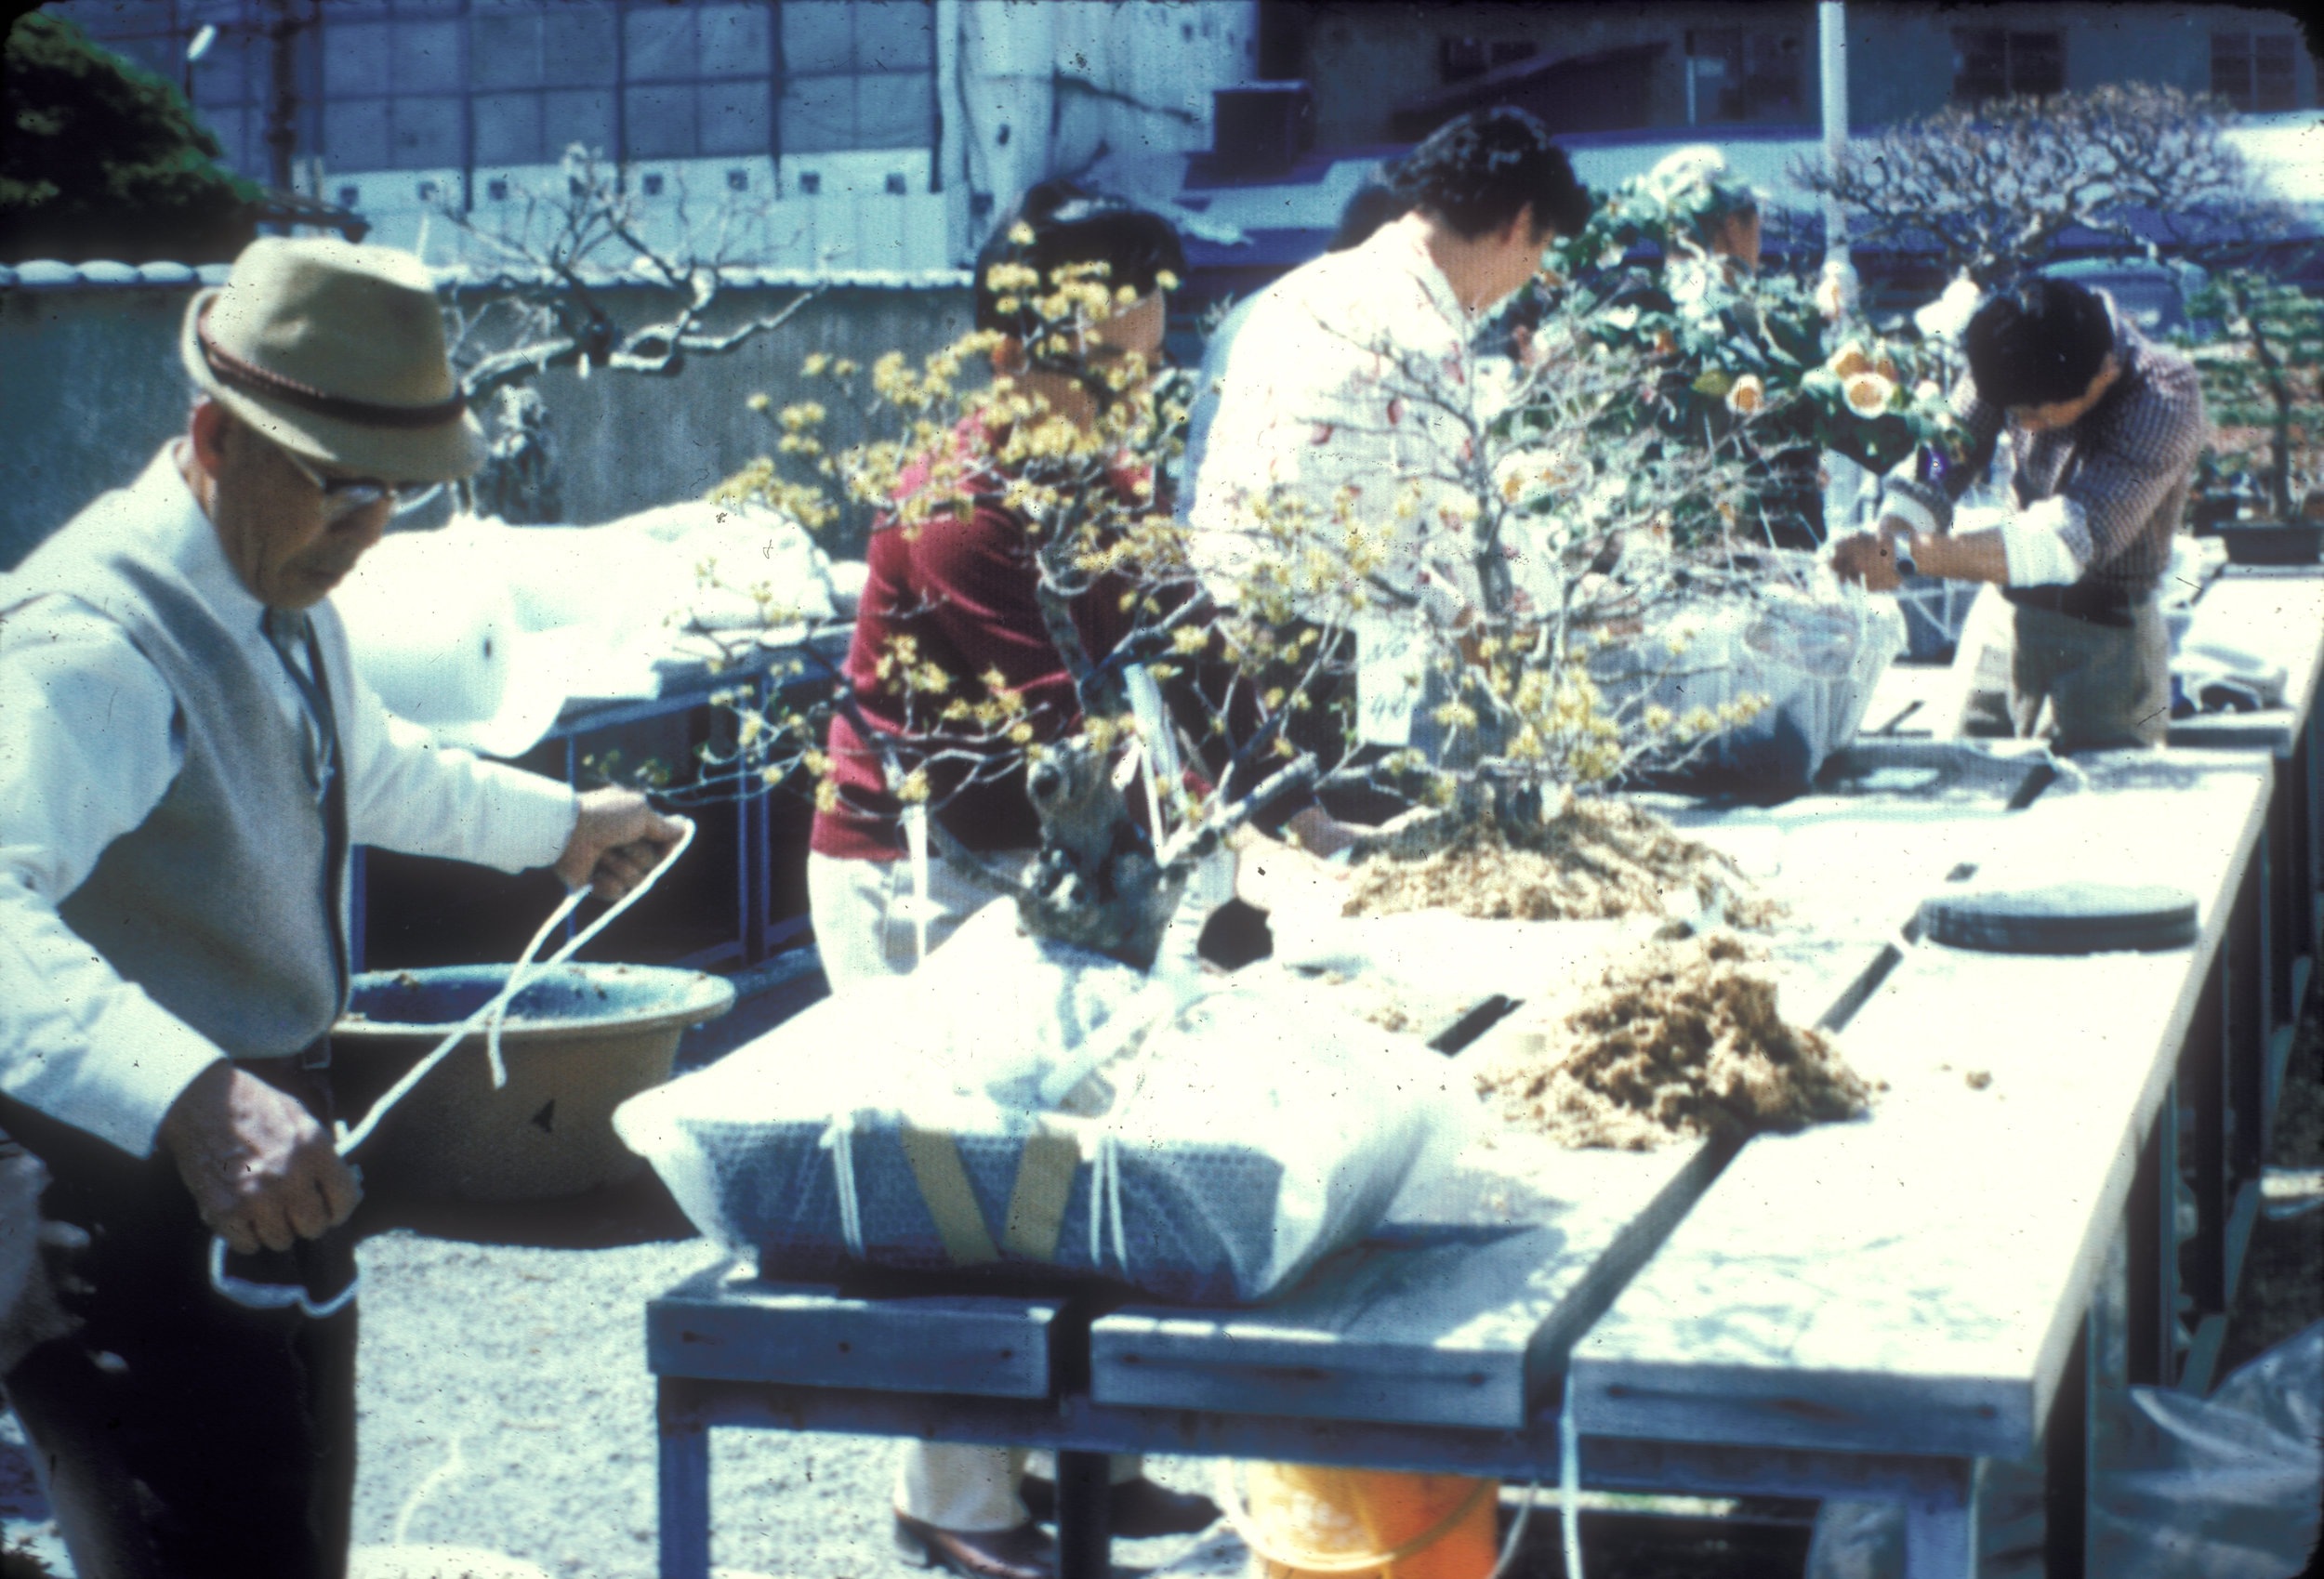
579, 1041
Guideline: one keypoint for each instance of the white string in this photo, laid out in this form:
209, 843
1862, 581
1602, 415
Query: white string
1104, 1143
915, 841
517, 974
429, 1483
351, 1139
1154, 727
1516, 1531
1569, 1481
838, 1139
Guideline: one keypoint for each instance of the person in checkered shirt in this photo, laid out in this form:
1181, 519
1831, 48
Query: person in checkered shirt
2105, 428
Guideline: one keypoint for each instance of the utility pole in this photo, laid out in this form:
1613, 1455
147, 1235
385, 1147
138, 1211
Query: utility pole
282, 108
1831, 27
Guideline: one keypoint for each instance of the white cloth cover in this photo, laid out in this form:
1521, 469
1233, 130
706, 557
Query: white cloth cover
482, 631
1231, 1139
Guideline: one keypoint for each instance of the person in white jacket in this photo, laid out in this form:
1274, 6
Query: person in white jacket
187, 757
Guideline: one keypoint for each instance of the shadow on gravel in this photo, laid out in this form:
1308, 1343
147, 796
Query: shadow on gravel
638, 1211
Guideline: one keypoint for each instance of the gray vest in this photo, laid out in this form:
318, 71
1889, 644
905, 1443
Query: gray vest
216, 905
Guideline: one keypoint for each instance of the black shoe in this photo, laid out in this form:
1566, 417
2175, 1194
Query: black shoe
1134, 1509
1025, 1552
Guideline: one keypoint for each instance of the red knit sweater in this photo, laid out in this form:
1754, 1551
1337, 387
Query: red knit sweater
964, 588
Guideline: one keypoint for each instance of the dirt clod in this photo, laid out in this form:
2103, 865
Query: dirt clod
1675, 1041
1596, 860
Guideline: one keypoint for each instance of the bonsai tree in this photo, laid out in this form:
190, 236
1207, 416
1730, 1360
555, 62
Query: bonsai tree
1744, 352
104, 160
1101, 879
2004, 188
1584, 532
2262, 373
547, 300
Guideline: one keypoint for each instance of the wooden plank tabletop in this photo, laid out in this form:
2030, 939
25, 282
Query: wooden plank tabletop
1913, 1283
1462, 1311
1460, 1314
725, 1324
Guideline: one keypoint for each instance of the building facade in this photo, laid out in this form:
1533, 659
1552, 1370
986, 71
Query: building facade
849, 134
1372, 63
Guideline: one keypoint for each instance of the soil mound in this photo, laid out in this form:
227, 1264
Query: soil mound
1596, 860
1676, 1041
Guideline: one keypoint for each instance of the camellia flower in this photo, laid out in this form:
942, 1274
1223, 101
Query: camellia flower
1849, 361
1869, 393
1748, 396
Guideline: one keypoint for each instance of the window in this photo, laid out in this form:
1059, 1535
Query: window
857, 76
701, 80
1745, 74
416, 85
2254, 71
1990, 63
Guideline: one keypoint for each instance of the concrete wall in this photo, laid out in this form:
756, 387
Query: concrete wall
90, 385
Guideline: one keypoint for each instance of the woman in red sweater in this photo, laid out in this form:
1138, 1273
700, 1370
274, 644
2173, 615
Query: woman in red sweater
961, 584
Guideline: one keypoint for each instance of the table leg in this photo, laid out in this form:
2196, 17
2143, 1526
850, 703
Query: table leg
2066, 1463
685, 1482
1941, 1537
1084, 1536
2211, 1039
2151, 1215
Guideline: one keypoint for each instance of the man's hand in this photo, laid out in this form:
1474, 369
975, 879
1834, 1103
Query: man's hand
616, 840
261, 1170
1871, 557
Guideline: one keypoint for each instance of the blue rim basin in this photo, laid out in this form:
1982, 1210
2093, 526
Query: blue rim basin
563, 1000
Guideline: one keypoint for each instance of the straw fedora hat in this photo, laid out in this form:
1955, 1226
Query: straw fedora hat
335, 351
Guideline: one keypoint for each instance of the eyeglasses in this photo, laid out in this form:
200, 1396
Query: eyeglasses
344, 497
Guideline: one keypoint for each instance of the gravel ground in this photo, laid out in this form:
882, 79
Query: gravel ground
506, 1405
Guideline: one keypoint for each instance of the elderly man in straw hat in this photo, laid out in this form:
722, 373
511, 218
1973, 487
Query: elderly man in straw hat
186, 756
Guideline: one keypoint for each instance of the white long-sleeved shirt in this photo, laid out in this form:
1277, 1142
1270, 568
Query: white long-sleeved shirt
1354, 378
89, 744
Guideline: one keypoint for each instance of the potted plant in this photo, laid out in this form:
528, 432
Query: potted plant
2260, 484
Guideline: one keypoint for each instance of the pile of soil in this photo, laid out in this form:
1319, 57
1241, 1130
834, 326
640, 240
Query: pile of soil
1676, 1041
1596, 860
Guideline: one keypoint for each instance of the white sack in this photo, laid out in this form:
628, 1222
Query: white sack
1230, 1140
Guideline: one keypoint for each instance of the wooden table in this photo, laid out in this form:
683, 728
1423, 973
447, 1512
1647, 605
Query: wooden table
1865, 1310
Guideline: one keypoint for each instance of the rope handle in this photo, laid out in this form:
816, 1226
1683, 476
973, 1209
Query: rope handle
494, 1010
266, 1295
1230, 1499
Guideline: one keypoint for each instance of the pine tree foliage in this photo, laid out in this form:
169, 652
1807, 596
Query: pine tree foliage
104, 160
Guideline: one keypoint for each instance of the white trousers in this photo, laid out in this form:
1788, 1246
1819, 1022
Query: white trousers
864, 942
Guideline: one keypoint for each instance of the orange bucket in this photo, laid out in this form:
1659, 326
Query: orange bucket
1312, 1521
